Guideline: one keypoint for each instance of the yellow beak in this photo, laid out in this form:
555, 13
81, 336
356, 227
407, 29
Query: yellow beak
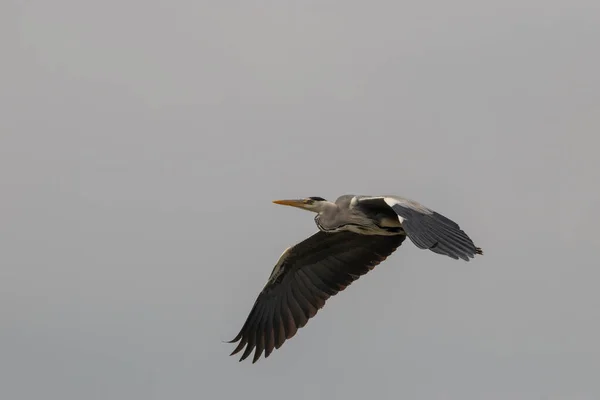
293, 203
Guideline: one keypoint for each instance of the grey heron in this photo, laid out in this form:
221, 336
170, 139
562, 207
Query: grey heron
355, 234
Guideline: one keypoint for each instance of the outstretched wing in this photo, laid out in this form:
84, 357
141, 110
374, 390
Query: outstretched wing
305, 276
426, 228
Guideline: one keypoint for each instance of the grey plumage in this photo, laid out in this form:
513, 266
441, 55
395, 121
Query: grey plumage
428, 229
356, 233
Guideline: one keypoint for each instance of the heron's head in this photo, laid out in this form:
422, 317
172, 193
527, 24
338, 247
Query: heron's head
314, 204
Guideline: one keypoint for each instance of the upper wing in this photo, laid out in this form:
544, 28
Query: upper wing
305, 276
426, 228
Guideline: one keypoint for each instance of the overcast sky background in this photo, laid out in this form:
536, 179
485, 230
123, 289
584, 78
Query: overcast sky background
141, 144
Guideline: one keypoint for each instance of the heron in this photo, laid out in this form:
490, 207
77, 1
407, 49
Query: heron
355, 234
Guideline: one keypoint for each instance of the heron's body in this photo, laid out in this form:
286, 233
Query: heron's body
348, 214
355, 234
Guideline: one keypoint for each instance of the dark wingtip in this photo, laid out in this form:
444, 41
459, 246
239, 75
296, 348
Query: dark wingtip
479, 250
234, 352
238, 348
237, 337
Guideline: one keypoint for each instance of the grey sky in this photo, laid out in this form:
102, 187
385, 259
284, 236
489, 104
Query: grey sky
141, 144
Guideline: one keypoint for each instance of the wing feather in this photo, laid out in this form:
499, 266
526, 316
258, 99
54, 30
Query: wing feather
269, 330
303, 279
278, 325
426, 228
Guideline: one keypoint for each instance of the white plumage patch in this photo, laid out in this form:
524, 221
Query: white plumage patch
277, 269
392, 202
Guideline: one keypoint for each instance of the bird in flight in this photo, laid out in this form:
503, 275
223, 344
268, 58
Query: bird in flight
356, 233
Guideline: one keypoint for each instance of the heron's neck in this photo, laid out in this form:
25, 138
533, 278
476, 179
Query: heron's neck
327, 209
326, 216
